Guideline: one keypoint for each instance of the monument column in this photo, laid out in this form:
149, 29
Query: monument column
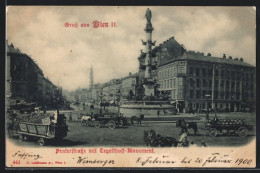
148, 81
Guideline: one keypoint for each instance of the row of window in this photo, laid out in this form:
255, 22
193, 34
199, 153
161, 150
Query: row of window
171, 72
170, 83
223, 73
208, 83
204, 105
197, 94
179, 96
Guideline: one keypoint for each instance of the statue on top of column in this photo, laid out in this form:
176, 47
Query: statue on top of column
148, 15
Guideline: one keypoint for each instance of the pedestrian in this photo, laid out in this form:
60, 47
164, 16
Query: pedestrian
207, 116
183, 137
158, 113
70, 116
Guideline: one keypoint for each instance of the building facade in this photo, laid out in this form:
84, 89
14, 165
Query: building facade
26, 81
197, 81
129, 85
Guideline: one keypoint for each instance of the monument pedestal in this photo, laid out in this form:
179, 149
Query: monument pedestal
149, 90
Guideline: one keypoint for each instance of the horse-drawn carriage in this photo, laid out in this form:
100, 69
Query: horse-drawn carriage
111, 120
228, 127
43, 133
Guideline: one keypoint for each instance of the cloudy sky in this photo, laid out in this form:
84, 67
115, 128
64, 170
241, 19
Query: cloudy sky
65, 54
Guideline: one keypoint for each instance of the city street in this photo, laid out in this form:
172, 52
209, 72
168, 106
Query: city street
79, 135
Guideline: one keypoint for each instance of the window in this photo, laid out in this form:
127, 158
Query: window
180, 94
232, 75
197, 72
167, 83
204, 72
191, 71
221, 94
222, 73
181, 70
216, 72
198, 94
174, 71
163, 84
233, 85
204, 83
191, 94
198, 82
209, 72
174, 83
227, 85
238, 85
203, 93
227, 74
173, 93
191, 83
216, 84
180, 82
237, 96
171, 83
216, 94
222, 84
251, 87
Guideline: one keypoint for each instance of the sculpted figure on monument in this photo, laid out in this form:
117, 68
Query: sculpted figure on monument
148, 15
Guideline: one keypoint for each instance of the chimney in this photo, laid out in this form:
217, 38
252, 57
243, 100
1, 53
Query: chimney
224, 56
241, 59
209, 54
230, 57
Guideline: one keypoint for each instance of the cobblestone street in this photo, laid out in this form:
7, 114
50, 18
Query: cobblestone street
79, 135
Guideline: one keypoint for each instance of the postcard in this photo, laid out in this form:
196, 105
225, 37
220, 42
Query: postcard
130, 87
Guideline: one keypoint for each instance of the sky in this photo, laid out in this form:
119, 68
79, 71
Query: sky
65, 54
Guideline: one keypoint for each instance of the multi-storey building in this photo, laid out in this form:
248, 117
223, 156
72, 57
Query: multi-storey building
26, 81
196, 81
129, 84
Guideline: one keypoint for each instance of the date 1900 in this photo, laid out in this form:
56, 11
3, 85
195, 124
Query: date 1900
243, 161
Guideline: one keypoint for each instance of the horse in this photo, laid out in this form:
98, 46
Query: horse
154, 139
189, 125
137, 119
85, 119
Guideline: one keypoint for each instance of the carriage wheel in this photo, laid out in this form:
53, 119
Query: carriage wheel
242, 131
98, 124
41, 142
213, 132
121, 123
111, 124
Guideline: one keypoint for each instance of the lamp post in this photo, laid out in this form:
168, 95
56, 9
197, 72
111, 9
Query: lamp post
207, 115
118, 100
101, 100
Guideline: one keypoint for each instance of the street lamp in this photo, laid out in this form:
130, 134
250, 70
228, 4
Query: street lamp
118, 100
101, 98
207, 115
